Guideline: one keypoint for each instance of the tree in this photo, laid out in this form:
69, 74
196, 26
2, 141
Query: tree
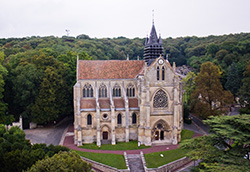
209, 98
188, 85
244, 92
227, 146
233, 79
63, 161
48, 105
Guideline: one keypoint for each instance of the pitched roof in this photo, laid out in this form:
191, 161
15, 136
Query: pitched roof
109, 69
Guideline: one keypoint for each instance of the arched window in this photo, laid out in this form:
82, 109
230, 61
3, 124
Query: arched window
160, 99
131, 90
116, 91
134, 118
102, 90
89, 119
119, 119
87, 90
163, 73
158, 73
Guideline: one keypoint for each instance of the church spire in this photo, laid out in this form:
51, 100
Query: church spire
153, 46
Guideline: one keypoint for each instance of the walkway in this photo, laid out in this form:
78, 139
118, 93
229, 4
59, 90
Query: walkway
48, 135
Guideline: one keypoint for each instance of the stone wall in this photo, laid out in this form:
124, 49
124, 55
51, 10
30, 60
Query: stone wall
172, 166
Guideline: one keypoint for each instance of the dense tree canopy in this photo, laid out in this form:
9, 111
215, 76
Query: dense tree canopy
227, 146
17, 154
244, 91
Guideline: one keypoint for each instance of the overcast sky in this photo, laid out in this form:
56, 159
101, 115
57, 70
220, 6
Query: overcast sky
129, 18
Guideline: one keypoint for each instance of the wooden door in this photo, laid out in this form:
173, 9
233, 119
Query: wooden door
157, 135
105, 135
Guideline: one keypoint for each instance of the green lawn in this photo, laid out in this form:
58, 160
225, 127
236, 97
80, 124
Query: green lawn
132, 145
112, 160
186, 134
154, 160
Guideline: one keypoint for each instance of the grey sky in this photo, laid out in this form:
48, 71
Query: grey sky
129, 18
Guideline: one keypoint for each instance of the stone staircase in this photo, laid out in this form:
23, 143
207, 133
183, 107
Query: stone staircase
135, 163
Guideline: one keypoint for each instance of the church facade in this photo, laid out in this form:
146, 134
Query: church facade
122, 100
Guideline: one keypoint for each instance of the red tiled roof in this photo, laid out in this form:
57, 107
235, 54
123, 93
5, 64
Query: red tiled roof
109, 69
119, 103
104, 103
133, 102
88, 104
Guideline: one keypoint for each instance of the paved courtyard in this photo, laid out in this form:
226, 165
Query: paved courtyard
48, 135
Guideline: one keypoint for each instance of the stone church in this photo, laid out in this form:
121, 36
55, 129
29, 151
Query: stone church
123, 100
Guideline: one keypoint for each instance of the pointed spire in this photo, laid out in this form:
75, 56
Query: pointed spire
153, 36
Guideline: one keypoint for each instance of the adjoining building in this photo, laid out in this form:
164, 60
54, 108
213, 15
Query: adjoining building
122, 100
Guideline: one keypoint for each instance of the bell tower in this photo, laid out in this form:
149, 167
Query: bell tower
153, 46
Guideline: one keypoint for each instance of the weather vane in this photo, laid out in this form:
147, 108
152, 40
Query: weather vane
153, 16
67, 32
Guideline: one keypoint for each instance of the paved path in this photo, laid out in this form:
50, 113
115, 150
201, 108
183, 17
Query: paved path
47, 135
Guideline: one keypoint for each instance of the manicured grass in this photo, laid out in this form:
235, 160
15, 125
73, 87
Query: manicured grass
155, 160
186, 134
132, 145
112, 160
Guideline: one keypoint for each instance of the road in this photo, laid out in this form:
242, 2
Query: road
47, 135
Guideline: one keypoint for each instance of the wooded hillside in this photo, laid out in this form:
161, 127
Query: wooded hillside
37, 73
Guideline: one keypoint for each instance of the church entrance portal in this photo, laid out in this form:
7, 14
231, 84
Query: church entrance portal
159, 135
105, 135
161, 131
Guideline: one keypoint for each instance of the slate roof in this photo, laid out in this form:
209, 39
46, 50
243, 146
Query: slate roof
109, 69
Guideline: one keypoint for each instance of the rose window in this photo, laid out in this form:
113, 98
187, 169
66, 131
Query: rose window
160, 99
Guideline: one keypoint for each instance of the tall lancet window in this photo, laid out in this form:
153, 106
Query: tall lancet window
158, 73
102, 91
89, 119
163, 73
87, 90
119, 119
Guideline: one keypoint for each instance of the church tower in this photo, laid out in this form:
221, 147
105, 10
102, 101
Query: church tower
153, 46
